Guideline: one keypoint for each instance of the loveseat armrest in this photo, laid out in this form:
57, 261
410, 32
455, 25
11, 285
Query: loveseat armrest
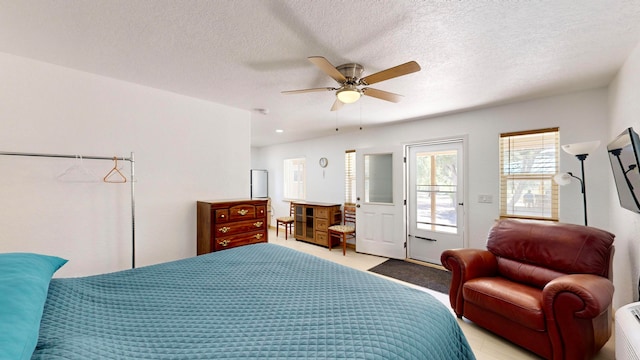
466, 264
578, 314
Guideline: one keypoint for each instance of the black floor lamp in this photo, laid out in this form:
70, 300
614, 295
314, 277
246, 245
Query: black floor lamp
580, 151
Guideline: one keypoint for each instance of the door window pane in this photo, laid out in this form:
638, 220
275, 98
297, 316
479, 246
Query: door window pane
378, 178
436, 191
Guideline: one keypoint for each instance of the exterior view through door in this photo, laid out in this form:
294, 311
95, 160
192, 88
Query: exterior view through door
435, 208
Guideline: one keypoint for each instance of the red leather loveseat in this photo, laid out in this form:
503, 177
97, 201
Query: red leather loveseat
544, 286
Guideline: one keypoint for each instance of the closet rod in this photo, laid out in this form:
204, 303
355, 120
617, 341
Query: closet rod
132, 182
67, 156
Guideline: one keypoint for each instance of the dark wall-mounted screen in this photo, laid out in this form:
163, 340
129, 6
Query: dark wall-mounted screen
624, 156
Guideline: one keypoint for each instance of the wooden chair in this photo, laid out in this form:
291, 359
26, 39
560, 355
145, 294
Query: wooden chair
345, 231
286, 221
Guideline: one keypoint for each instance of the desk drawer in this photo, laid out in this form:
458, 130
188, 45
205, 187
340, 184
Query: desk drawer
322, 238
322, 224
322, 213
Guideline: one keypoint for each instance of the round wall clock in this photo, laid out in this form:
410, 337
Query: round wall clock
324, 162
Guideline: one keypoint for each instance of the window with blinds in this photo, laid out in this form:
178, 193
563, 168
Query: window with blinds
350, 177
295, 179
528, 162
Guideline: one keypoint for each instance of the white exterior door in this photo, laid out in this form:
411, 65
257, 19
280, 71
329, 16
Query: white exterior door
435, 208
379, 202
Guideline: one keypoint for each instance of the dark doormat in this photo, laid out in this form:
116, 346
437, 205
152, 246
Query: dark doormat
425, 276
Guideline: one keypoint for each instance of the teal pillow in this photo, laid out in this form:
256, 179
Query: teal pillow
24, 282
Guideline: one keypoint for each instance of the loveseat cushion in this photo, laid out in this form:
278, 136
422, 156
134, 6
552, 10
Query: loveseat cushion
514, 301
564, 248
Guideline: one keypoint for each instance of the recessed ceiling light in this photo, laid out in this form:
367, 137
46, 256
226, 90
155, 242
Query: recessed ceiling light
279, 131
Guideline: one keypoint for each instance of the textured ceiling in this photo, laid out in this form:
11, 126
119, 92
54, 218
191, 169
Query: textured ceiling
243, 53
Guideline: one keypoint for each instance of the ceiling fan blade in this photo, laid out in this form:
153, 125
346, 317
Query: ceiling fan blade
400, 70
381, 94
337, 105
308, 90
328, 69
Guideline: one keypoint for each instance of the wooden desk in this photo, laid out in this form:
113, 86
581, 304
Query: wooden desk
312, 221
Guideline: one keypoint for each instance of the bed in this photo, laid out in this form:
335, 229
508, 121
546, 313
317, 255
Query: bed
253, 302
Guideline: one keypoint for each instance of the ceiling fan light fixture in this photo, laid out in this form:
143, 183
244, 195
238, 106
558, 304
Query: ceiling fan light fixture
348, 76
348, 95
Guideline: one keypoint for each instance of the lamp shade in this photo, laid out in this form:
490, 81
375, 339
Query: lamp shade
562, 179
348, 95
583, 148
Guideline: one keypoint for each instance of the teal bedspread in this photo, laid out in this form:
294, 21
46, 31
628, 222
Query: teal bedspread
260, 301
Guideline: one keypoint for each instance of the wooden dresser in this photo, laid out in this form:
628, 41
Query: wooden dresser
224, 224
312, 221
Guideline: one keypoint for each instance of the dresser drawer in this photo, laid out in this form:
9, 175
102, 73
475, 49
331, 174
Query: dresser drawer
231, 241
242, 212
221, 215
231, 228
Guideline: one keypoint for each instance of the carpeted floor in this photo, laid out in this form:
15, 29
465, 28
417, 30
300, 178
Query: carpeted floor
425, 276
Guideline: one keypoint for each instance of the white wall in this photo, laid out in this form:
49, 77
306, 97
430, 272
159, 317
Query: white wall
624, 113
580, 116
181, 149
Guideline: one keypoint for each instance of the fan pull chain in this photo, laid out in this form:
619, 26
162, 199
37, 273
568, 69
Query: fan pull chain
361, 115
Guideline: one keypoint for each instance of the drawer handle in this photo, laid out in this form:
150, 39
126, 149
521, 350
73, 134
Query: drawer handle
258, 236
224, 242
222, 216
258, 223
243, 212
224, 229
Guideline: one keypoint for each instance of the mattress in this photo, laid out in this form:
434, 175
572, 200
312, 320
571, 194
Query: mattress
253, 302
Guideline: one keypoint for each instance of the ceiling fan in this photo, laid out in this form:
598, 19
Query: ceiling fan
348, 76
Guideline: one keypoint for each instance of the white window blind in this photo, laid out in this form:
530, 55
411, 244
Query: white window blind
528, 162
295, 179
350, 177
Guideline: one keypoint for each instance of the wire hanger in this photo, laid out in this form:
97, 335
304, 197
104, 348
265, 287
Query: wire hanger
78, 173
120, 178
